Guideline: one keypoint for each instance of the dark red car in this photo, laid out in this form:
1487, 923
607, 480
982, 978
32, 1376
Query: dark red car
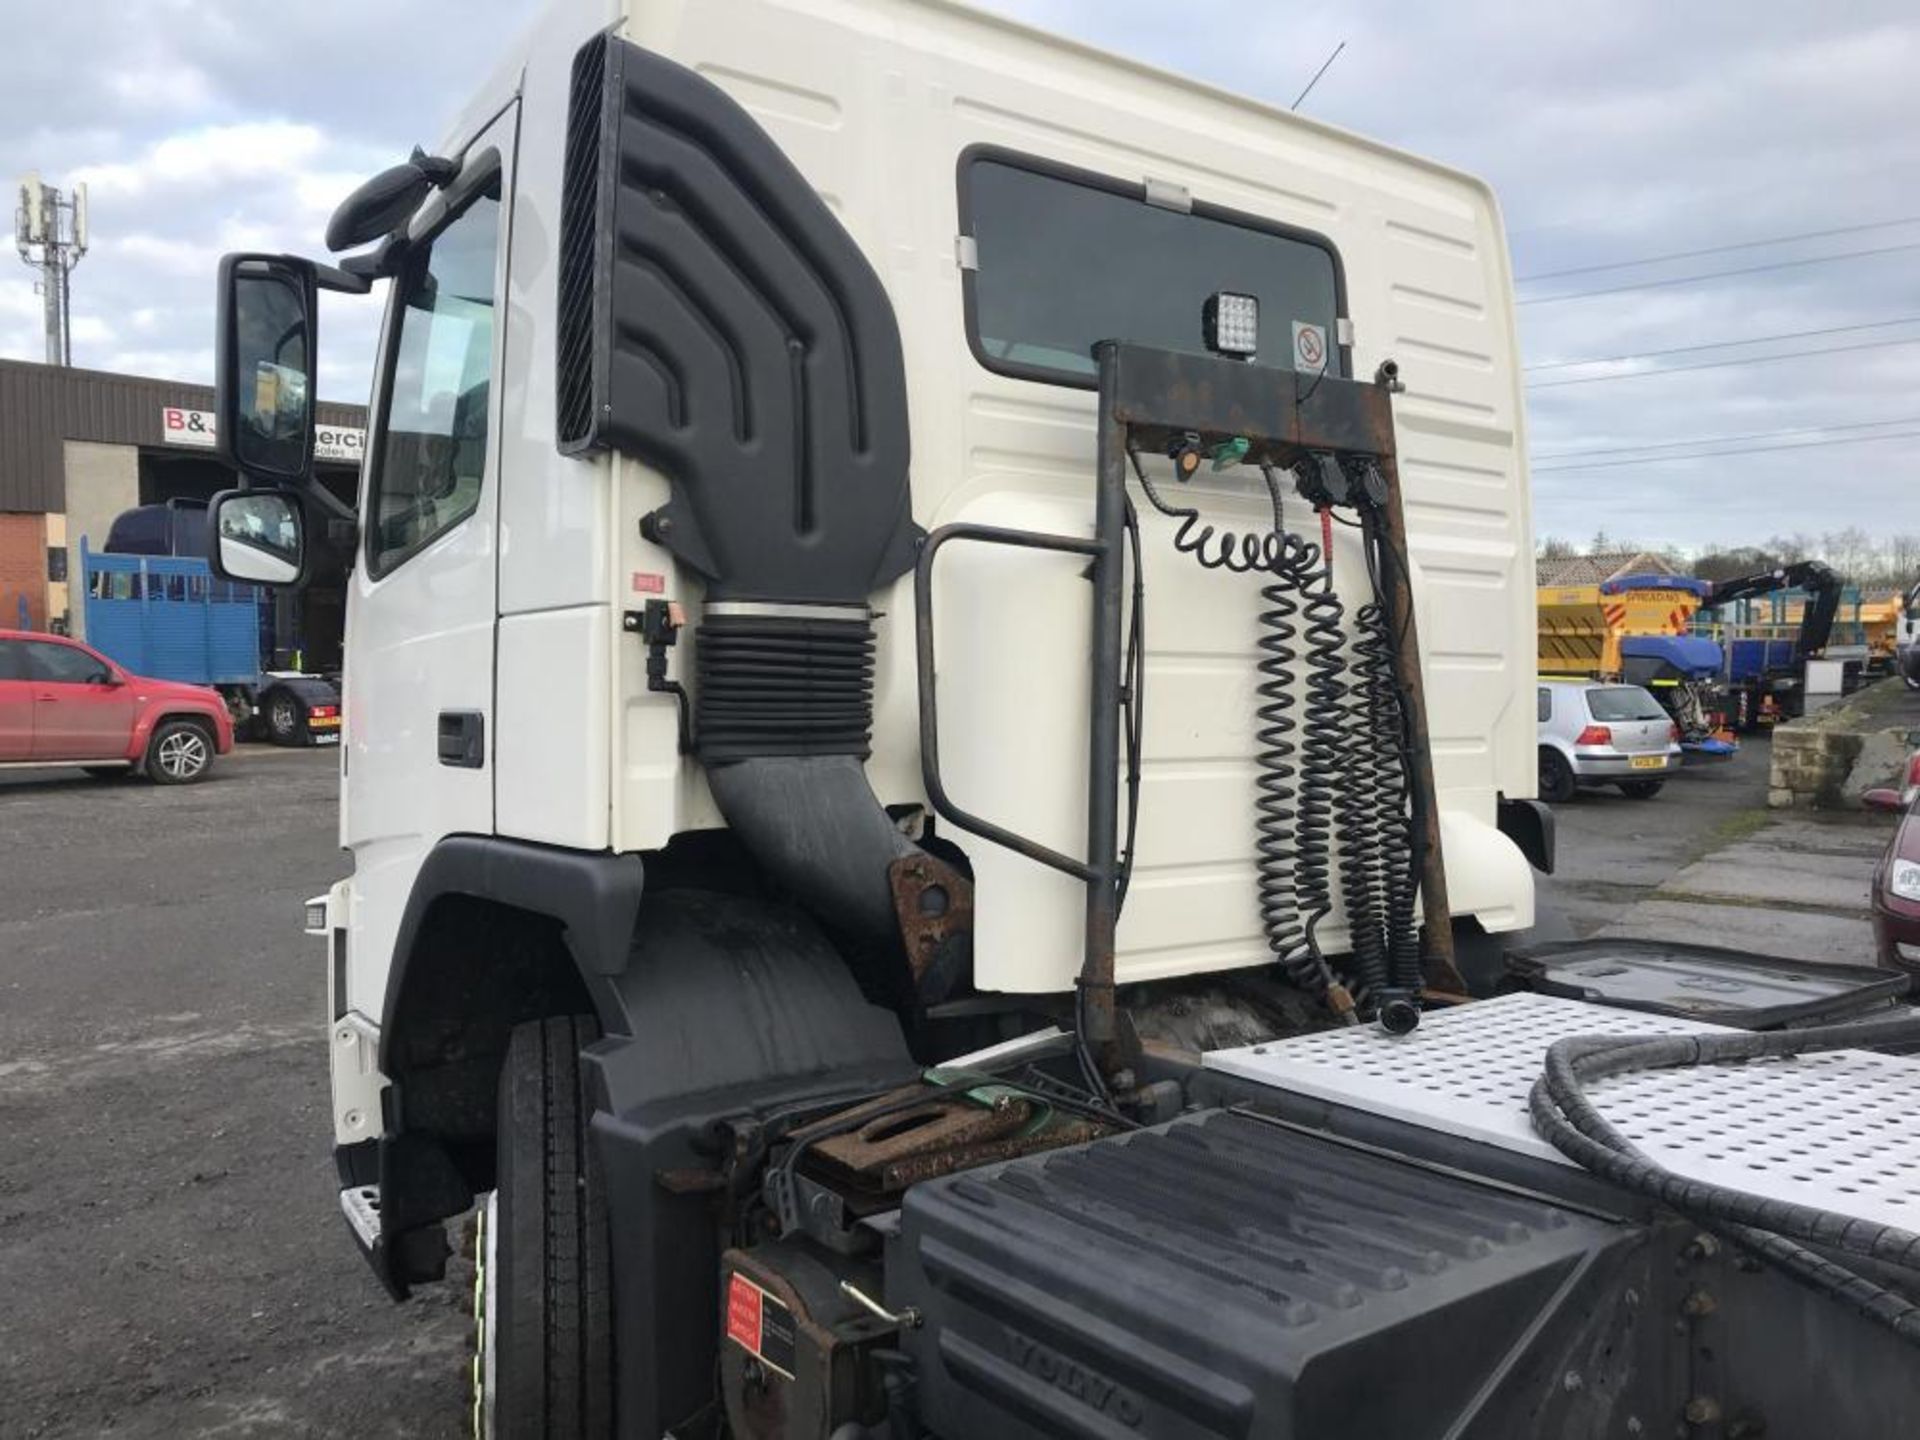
64, 703
1896, 878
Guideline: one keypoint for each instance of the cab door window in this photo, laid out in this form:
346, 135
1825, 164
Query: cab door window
64, 665
433, 432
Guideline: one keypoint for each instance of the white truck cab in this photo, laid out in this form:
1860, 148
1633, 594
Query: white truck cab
690, 923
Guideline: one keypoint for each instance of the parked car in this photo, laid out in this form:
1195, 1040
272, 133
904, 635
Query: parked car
1896, 878
64, 703
1594, 734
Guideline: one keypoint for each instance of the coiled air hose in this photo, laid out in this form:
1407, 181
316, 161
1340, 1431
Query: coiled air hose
1400, 827
1768, 1229
1289, 560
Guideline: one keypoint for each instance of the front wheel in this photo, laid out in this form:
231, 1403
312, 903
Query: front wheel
1556, 777
1641, 789
543, 1327
179, 753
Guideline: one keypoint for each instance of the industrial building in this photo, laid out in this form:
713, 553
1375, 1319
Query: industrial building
77, 447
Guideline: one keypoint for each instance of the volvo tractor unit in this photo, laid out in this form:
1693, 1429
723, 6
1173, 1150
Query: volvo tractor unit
938, 752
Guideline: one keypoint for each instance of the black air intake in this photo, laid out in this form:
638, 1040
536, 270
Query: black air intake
718, 323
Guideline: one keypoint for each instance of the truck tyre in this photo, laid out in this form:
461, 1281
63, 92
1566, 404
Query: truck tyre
542, 1290
179, 753
284, 718
1641, 789
1556, 777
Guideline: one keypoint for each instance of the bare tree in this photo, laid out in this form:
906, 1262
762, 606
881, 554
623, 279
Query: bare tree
1790, 549
1899, 561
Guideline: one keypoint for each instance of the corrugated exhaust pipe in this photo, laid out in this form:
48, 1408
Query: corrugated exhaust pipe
784, 711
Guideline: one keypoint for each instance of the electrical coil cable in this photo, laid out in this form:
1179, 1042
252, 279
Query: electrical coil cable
1323, 735
1361, 803
1769, 1229
1399, 825
1289, 560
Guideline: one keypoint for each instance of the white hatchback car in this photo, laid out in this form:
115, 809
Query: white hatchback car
1596, 734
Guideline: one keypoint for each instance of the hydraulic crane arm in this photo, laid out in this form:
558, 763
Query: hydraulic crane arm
1823, 598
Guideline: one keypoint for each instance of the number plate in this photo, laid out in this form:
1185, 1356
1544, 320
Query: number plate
1649, 762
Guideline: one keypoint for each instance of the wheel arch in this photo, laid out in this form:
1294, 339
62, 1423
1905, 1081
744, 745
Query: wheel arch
495, 932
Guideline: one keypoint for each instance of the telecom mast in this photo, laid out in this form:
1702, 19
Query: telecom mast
50, 230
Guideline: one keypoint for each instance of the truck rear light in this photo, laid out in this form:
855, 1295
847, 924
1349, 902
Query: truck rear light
1594, 735
323, 712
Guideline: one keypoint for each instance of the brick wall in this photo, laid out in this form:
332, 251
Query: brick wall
23, 570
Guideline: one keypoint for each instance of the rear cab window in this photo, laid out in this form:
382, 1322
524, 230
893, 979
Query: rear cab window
1066, 258
1623, 702
1546, 703
13, 660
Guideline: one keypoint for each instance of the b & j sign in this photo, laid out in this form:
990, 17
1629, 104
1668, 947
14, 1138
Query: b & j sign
195, 428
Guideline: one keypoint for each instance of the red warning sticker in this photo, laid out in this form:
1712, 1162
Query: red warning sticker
760, 1324
645, 582
743, 1312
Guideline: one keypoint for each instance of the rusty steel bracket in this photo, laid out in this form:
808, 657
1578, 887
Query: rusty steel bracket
934, 905
952, 1131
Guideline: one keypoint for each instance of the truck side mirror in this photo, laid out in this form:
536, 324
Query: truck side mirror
263, 390
257, 537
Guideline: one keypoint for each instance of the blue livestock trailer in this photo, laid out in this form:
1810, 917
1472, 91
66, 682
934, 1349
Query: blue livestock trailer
168, 616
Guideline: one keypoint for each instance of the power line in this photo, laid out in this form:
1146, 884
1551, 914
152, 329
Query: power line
1720, 274
1725, 439
1719, 249
1724, 364
1723, 344
1740, 450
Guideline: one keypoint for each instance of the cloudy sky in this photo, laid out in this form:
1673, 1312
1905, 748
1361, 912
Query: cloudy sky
1613, 133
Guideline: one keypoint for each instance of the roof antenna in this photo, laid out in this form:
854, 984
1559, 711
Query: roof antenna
1326, 65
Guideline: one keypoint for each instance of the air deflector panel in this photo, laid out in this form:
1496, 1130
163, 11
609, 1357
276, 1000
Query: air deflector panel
718, 323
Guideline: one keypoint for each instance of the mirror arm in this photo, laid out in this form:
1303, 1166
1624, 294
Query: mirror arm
380, 263
325, 499
342, 281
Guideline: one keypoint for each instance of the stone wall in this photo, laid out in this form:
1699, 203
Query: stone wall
1810, 765
1824, 760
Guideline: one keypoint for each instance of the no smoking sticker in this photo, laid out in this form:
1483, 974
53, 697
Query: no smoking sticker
1309, 348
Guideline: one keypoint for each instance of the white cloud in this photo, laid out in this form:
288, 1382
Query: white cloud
1630, 129
208, 157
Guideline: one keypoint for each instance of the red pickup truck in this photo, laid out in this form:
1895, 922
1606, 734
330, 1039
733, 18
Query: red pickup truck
63, 703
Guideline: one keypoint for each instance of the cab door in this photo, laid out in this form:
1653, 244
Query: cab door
82, 708
16, 702
421, 606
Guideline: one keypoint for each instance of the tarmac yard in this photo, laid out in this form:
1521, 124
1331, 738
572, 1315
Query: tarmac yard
171, 1252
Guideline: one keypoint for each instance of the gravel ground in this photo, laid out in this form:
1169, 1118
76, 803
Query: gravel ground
170, 1249
171, 1254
